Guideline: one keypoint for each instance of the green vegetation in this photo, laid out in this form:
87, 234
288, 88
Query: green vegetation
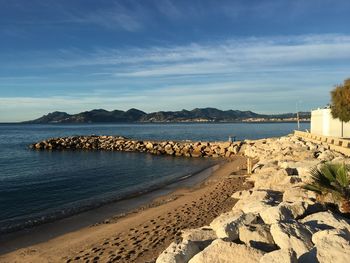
340, 104
332, 179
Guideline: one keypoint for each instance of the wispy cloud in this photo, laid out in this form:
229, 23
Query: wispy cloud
114, 15
247, 54
262, 74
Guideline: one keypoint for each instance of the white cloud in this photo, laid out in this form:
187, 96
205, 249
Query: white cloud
263, 74
249, 54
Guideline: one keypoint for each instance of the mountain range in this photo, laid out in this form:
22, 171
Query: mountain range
135, 115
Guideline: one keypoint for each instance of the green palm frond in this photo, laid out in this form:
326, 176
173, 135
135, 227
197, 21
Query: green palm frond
330, 178
313, 188
329, 172
342, 176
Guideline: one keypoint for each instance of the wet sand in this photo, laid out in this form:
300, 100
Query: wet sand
143, 234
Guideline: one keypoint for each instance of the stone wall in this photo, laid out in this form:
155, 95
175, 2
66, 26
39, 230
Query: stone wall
117, 143
332, 143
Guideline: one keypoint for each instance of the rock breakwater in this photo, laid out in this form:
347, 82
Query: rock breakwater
118, 143
275, 221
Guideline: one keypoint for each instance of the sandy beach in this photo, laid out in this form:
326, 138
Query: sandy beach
142, 234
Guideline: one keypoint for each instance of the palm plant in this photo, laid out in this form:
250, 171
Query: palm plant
332, 179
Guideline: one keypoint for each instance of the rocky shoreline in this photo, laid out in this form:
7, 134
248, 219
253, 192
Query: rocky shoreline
118, 143
275, 221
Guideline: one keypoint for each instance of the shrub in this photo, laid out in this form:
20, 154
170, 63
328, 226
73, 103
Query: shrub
332, 179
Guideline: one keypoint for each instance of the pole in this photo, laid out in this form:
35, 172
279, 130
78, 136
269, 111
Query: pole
297, 110
342, 129
249, 166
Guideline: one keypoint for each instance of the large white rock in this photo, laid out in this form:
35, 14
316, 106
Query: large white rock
288, 211
255, 202
325, 220
178, 252
242, 194
280, 256
255, 207
296, 194
226, 225
227, 252
292, 235
257, 236
199, 234
277, 180
340, 159
149, 146
332, 246
276, 214
203, 236
326, 156
303, 168
286, 164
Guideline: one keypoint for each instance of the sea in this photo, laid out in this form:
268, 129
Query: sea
43, 186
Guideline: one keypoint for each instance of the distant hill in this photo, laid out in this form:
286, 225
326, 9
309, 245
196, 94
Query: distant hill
135, 115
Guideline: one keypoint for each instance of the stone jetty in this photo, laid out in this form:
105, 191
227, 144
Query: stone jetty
118, 143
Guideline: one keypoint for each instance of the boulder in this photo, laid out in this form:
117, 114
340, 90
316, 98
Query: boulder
199, 234
278, 256
242, 194
196, 153
178, 252
287, 164
228, 154
233, 149
292, 235
326, 156
277, 180
276, 214
227, 252
225, 145
226, 225
257, 201
332, 245
222, 151
254, 206
289, 211
149, 146
257, 236
325, 220
203, 236
291, 171
169, 149
295, 194
303, 167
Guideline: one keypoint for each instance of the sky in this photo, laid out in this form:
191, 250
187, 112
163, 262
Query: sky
260, 55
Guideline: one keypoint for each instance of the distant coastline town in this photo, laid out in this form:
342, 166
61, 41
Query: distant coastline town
195, 115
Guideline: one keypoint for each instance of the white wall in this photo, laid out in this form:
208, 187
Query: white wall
322, 123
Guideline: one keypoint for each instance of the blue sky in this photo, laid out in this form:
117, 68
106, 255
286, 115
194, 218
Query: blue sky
265, 56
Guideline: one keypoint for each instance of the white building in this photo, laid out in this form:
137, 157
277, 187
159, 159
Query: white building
322, 123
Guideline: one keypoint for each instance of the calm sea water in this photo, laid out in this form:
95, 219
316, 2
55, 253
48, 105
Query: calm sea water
38, 186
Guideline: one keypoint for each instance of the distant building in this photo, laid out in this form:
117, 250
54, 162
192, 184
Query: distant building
322, 123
